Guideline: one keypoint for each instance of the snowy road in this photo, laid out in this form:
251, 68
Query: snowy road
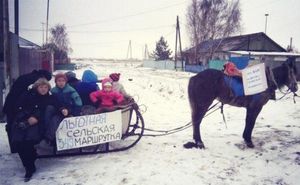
162, 160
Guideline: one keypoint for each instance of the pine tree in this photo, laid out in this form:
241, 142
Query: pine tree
161, 51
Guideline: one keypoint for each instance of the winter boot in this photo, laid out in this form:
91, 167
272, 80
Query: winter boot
29, 173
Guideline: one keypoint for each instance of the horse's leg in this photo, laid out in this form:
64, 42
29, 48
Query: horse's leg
252, 114
197, 116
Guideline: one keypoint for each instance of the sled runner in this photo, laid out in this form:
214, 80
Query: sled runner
96, 133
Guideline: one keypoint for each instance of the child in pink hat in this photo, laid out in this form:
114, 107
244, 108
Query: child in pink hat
106, 98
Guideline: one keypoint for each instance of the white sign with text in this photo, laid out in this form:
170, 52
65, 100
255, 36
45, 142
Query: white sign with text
254, 79
81, 131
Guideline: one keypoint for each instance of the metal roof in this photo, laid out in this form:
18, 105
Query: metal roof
234, 43
26, 43
263, 53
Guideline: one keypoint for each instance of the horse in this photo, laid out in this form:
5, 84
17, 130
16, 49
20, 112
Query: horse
210, 84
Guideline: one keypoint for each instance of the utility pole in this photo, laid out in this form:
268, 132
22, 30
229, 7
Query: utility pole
47, 21
178, 38
43, 34
290, 47
17, 17
146, 52
266, 22
4, 53
129, 50
195, 23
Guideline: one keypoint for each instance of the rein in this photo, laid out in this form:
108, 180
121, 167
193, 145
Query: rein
284, 94
181, 128
295, 95
272, 79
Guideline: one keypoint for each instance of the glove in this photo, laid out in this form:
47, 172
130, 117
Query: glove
22, 125
97, 103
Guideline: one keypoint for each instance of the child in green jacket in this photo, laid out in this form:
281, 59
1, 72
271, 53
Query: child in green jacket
67, 95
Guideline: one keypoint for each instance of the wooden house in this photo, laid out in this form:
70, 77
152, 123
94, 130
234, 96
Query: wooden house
219, 48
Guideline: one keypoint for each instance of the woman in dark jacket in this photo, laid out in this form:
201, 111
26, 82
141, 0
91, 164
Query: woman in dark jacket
27, 129
18, 88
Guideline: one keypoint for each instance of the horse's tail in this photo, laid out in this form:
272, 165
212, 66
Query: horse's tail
192, 95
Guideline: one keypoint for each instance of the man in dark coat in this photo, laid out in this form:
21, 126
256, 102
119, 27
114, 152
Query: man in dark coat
19, 87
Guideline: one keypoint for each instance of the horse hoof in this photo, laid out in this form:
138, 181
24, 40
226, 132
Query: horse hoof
190, 145
200, 145
249, 144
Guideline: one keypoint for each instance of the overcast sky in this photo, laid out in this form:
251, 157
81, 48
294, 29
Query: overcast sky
103, 28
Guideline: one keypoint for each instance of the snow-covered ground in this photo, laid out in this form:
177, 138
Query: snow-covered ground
163, 160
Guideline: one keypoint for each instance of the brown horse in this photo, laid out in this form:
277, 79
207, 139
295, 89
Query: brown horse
209, 85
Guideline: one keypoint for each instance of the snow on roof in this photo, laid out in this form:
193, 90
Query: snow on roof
259, 53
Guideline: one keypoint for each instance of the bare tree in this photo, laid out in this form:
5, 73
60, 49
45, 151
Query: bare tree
59, 37
212, 19
59, 42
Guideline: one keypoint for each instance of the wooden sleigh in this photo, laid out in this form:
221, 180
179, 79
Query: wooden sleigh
130, 132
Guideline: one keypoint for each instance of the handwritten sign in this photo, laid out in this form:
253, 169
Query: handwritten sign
254, 79
81, 131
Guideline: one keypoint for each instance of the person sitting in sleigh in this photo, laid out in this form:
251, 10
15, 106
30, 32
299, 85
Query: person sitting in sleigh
107, 99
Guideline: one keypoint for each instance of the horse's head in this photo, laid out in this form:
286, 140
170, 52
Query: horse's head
285, 75
291, 74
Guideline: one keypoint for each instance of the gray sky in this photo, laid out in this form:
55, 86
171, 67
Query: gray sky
103, 28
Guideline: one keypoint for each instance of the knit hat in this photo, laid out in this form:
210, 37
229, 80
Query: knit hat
115, 76
60, 75
106, 82
70, 75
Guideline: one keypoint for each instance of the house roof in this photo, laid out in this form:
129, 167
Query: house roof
24, 42
241, 42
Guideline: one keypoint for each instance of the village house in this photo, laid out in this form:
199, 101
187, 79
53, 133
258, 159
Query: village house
256, 46
27, 56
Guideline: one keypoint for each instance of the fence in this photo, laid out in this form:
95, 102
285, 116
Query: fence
195, 68
163, 64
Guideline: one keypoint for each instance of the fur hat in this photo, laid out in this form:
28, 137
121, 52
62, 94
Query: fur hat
41, 81
60, 75
115, 76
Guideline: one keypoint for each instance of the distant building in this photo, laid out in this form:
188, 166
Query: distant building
27, 56
239, 49
219, 48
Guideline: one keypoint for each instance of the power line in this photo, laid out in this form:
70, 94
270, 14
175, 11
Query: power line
127, 16
128, 30
100, 43
262, 5
103, 31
